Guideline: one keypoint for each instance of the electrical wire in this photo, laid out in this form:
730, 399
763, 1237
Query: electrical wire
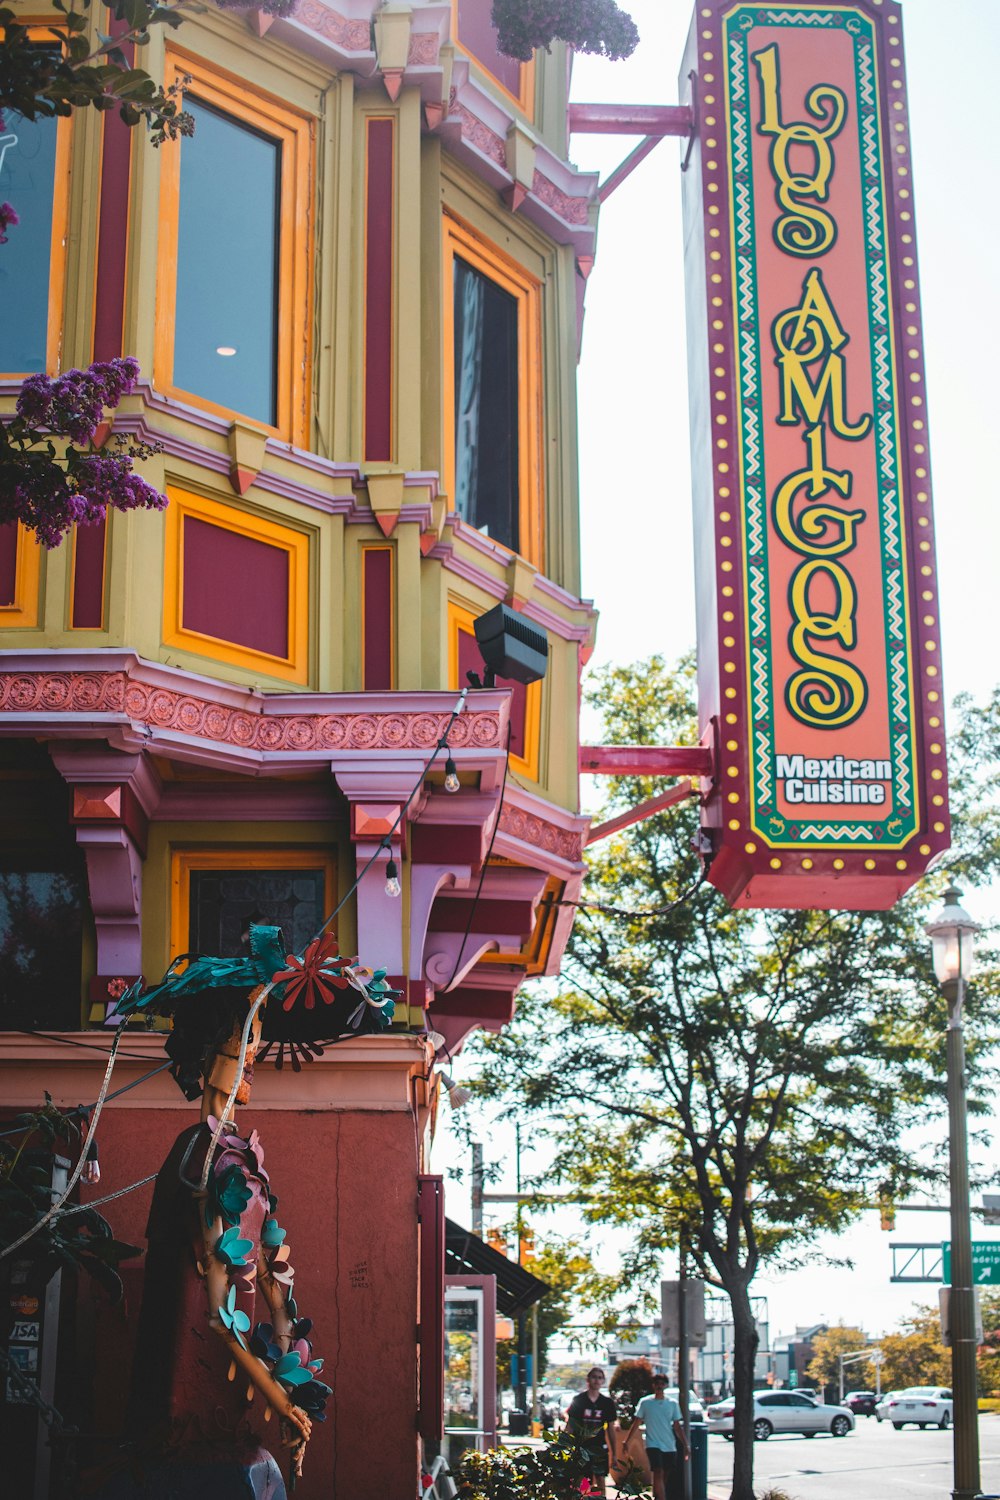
84, 1109
650, 911
386, 841
74, 1179
237, 1080
482, 872
76, 1208
66, 1041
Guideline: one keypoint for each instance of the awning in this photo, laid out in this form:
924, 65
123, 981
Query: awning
465, 1254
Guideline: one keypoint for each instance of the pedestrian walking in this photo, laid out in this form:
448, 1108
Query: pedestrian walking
666, 1445
591, 1418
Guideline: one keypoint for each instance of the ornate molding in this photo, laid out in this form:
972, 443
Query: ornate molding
531, 828
256, 724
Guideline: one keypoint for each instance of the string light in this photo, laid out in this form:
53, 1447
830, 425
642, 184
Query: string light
91, 1173
392, 885
451, 781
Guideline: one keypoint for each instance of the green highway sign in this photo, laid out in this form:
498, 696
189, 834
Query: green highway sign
985, 1262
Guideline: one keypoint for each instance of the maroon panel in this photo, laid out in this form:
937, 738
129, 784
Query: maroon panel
8, 563
235, 588
376, 585
470, 1000
469, 660
477, 34
378, 291
88, 576
430, 843
109, 297
430, 1220
485, 915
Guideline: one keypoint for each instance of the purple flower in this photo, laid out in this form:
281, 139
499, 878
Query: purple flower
7, 215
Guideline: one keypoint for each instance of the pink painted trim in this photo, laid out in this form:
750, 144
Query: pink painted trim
59, 688
366, 1073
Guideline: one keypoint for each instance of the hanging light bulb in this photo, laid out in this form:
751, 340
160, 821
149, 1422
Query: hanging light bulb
457, 1094
392, 885
451, 781
91, 1173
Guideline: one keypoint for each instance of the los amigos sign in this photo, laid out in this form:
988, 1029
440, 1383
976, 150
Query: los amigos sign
819, 650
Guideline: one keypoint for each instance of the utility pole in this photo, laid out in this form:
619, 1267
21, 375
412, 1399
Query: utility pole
477, 1188
521, 1393
683, 1356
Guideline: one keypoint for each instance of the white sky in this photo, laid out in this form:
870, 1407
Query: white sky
635, 470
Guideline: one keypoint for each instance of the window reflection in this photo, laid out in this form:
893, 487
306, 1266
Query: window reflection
225, 334
486, 405
41, 921
27, 183
224, 901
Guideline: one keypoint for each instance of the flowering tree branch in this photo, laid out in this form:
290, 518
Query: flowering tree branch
49, 487
73, 74
587, 25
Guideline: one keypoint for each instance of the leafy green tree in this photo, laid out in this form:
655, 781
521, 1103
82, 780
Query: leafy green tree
570, 1274
916, 1355
824, 1367
733, 1080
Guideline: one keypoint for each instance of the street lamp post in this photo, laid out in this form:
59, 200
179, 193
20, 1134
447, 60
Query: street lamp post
952, 932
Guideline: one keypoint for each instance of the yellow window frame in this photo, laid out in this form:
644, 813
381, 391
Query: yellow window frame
296, 133
51, 32
525, 97
295, 666
241, 857
23, 611
461, 240
459, 619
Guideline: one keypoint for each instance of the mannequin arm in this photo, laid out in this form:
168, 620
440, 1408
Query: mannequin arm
217, 1288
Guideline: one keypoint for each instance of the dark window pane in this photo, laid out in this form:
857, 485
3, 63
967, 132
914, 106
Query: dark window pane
486, 405
27, 183
41, 914
222, 902
227, 265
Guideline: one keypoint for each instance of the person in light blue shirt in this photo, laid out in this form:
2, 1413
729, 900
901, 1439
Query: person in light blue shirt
666, 1445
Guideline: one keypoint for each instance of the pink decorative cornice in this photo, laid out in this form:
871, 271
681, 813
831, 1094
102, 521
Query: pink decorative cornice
535, 831
478, 134
345, 34
573, 210
153, 699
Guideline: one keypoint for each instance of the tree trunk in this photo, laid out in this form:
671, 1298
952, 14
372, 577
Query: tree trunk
745, 1341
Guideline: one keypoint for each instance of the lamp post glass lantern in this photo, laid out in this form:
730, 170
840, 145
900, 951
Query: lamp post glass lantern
952, 933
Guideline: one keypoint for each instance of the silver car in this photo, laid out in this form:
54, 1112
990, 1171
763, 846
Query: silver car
784, 1411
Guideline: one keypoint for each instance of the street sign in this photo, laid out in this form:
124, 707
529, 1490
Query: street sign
985, 1262
694, 1307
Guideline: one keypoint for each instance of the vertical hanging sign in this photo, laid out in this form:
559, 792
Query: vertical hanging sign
819, 650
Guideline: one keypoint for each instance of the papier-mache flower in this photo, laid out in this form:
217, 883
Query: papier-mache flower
233, 1318
232, 1249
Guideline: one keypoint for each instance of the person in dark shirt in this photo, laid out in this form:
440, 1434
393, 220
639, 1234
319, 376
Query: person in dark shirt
591, 1417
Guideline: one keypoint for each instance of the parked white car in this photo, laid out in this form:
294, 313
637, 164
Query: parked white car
926, 1405
784, 1411
696, 1412
882, 1405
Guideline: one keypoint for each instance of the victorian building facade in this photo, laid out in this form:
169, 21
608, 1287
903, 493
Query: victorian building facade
355, 294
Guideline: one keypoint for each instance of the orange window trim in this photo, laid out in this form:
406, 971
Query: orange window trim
296, 134
525, 97
461, 240
294, 667
459, 619
60, 228
23, 612
534, 955
241, 857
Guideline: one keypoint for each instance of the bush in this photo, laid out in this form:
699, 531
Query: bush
632, 1380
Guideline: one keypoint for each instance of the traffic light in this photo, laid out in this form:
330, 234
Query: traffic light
886, 1207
